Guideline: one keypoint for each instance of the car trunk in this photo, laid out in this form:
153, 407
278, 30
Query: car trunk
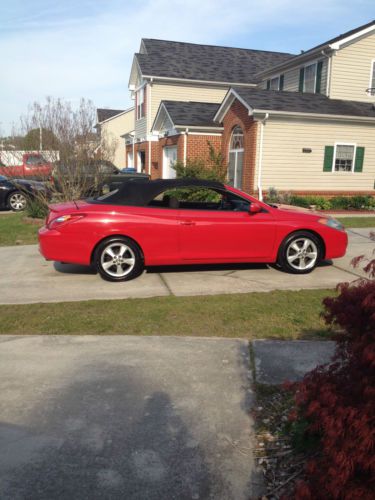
68, 207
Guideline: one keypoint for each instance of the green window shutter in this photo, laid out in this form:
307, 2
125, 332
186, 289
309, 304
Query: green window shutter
301, 79
319, 77
268, 84
328, 158
359, 157
281, 82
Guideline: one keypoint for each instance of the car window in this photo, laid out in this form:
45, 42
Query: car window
35, 160
200, 198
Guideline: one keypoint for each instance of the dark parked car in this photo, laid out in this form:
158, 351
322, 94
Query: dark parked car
97, 177
15, 193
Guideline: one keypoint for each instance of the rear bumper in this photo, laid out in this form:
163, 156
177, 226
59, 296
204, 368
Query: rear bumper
53, 245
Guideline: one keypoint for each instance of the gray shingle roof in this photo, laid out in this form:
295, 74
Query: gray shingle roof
205, 62
198, 114
104, 114
273, 100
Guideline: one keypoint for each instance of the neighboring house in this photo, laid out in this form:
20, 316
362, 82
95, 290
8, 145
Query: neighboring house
112, 124
301, 123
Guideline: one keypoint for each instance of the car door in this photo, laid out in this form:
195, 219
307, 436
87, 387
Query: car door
218, 235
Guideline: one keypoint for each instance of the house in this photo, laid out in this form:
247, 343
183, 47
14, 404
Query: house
297, 122
111, 125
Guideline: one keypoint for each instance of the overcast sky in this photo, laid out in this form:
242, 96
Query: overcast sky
84, 48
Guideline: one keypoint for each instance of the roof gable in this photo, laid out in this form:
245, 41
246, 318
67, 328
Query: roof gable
104, 114
256, 100
189, 61
189, 114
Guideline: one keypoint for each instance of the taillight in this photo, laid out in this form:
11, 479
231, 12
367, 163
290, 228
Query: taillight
63, 220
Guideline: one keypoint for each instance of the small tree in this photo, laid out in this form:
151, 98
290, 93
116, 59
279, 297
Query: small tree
337, 401
214, 169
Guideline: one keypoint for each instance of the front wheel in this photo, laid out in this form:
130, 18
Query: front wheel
118, 259
299, 253
17, 201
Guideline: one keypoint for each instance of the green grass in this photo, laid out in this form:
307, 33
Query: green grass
15, 231
278, 314
349, 222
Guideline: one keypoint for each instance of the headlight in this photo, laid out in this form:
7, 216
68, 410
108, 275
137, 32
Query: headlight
333, 223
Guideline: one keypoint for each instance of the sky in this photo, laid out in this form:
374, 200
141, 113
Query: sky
84, 48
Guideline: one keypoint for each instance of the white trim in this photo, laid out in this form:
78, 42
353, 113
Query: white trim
334, 157
205, 133
230, 96
115, 116
350, 38
318, 116
184, 80
185, 145
198, 127
161, 108
372, 76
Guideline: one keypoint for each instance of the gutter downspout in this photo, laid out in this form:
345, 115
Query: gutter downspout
133, 138
262, 125
328, 84
149, 127
185, 145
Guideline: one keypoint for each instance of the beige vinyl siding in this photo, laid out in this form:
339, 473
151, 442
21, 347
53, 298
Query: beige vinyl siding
291, 78
184, 92
350, 73
285, 167
111, 132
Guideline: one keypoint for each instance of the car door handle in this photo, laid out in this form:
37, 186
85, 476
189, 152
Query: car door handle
187, 223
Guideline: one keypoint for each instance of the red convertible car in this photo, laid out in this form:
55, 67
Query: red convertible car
182, 221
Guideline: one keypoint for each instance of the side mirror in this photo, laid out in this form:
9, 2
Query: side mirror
254, 208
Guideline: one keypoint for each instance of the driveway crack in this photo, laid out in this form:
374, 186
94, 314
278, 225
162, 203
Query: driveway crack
165, 283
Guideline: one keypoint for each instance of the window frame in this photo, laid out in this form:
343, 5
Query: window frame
315, 64
140, 108
278, 82
335, 154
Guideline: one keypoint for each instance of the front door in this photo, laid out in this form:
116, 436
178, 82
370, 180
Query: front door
169, 159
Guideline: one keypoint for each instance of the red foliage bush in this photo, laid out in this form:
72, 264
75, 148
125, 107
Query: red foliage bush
338, 402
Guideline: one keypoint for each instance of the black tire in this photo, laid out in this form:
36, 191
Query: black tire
300, 253
124, 254
17, 201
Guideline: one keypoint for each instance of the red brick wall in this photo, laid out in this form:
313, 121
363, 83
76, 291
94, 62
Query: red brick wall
238, 115
197, 147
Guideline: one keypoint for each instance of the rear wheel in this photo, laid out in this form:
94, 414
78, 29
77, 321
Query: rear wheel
118, 259
17, 201
300, 253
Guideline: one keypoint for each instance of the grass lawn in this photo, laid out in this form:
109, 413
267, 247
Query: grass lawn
349, 222
278, 314
15, 231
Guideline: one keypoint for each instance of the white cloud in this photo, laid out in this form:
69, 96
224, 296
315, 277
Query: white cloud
53, 49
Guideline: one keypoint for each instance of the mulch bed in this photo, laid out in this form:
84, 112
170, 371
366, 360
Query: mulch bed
281, 464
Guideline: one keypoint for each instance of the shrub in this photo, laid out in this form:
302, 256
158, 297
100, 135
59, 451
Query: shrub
37, 208
338, 401
214, 169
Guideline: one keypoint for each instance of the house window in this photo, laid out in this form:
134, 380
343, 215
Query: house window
310, 77
274, 83
344, 158
140, 96
236, 152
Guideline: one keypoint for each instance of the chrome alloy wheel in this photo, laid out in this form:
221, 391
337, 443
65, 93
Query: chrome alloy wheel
302, 254
117, 260
17, 201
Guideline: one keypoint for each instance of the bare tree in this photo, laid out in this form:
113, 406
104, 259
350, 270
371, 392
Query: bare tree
71, 144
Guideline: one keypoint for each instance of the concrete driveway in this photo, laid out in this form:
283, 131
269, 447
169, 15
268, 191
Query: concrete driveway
26, 278
120, 417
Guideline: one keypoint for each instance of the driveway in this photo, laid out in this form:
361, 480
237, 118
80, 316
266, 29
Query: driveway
26, 278
120, 417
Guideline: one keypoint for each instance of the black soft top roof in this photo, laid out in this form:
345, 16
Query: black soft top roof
139, 193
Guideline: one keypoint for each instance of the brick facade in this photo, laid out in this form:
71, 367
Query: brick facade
238, 115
